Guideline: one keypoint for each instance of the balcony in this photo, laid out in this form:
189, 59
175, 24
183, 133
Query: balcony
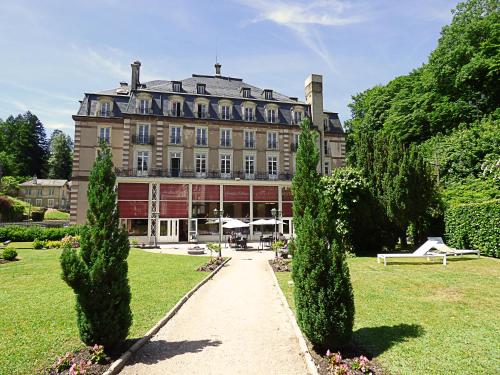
138, 139
190, 173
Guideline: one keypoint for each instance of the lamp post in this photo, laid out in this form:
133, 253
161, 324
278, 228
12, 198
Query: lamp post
219, 213
276, 215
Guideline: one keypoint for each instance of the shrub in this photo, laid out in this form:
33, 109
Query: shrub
53, 244
97, 272
39, 244
474, 226
292, 247
71, 241
9, 254
37, 213
323, 292
19, 233
213, 247
10, 210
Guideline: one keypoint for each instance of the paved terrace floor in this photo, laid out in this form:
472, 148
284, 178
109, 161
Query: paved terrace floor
235, 324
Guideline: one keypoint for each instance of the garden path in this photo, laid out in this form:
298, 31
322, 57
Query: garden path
235, 324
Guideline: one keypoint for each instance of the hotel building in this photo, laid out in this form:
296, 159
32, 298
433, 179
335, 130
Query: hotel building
183, 148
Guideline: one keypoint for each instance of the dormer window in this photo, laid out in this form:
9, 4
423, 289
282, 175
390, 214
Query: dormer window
200, 89
176, 109
105, 109
268, 94
296, 116
202, 110
176, 86
144, 106
246, 92
248, 114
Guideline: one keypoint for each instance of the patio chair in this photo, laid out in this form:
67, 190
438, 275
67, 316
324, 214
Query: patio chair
424, 251
442, 248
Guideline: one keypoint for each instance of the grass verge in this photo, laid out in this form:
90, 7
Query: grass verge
37, 309
426, 318
52, 214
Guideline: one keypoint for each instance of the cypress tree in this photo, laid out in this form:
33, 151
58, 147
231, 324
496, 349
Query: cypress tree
97, 272
323, 293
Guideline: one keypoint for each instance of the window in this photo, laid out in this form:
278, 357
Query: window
175, 135
39, 192
225, 165
296, 117
249, 166
225, 112
272, 166
105, 109
51, 192
326, 147
38, 203
225, 138
176, 86
326, 168
268, 94
248, 113
176, 109
104, 135
272, 140
28, 191
200, 89
249, 139
201, 136
246, 92
143, 134
201, 110
201, 164
271, 115
295, 145
50, 203
144, 106
28, 200
142, 162
325, 123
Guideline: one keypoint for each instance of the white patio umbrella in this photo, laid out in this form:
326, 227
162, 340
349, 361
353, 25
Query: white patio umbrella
235, 223
261, 222
266, 222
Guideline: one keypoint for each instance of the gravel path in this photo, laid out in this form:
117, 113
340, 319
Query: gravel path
235, 324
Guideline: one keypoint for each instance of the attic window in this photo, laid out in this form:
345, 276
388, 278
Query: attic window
200, 89
176, 86
268, 94
246, 92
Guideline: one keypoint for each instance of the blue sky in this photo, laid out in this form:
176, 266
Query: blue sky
54, 51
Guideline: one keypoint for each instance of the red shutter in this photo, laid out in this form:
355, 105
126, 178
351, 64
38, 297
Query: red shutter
174, 209
131, 191
265, 193
206, 193
133, 209
174, 192
287, 209
236, 193
286, 195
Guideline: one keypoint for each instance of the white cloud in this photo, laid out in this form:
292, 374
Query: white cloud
304, 19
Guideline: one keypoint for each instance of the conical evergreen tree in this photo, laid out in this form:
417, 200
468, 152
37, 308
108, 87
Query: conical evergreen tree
323, 293
98, 271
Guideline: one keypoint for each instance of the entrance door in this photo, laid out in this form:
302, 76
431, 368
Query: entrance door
175, 164
169, 230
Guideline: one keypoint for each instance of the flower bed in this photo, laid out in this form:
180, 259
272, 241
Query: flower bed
211, 265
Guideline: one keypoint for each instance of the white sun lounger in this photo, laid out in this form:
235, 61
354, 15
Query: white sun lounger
423, 251
442, 248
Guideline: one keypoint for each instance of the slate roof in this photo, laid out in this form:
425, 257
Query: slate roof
218, 86
44, 182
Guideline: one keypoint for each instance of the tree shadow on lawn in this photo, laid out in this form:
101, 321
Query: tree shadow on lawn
156, 351
376, 340
430, 262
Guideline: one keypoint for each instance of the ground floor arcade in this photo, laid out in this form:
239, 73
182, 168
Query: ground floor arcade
162, 211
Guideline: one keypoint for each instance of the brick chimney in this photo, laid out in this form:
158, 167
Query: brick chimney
136, 69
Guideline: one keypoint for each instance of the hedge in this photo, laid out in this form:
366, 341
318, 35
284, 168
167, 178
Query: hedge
25, 234
474, 226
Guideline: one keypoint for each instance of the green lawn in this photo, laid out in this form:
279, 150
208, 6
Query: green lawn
426, 318
37, 316
52, 214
